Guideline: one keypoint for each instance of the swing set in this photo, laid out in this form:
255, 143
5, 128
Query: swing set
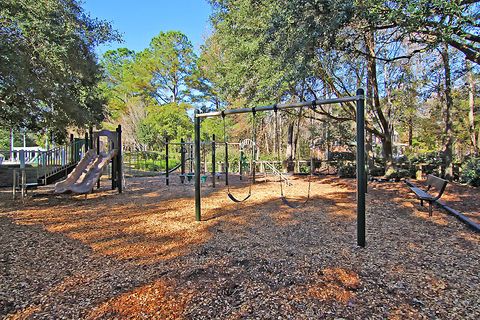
359, 99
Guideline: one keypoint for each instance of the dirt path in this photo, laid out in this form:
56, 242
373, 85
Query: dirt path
142, 255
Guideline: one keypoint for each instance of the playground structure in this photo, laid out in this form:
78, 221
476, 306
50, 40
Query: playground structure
359, 99
87, 172
81, 162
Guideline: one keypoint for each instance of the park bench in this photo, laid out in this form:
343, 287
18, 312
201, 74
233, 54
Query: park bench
438, 185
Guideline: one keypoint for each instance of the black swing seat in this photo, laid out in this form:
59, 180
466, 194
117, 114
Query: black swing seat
235, 199
292, 204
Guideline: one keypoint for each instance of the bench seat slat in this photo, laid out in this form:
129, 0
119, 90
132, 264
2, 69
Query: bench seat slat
432, 181
421, 194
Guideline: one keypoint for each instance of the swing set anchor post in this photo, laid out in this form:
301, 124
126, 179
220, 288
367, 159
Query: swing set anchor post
198, 209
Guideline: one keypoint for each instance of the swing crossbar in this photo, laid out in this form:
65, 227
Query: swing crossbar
280, 106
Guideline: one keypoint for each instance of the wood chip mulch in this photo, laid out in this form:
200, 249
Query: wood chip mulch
463, 198
141, 255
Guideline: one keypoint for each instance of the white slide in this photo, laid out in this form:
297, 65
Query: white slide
83, 178
87, 159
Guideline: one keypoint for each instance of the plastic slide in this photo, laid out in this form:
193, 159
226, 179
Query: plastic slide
83, 178
81, 168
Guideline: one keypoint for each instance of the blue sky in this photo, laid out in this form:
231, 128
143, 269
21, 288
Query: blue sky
139, 21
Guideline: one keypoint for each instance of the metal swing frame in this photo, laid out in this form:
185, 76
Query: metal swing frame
359, 99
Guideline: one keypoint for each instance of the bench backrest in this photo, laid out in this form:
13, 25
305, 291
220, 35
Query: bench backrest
438, 183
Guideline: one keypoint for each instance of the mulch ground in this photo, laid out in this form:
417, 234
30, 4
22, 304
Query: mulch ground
463, 198
141, 255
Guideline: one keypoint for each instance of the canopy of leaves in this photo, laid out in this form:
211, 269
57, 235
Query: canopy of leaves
429, 23
48, 70
164, 70
168, 121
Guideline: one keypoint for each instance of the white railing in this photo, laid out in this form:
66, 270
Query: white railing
276, 172
52, 161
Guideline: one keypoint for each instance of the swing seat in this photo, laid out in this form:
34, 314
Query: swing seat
292, 204
235, 199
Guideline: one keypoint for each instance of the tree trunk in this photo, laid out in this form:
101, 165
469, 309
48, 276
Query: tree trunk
447, 138
375, 99
471, 103
369, 151
410, 132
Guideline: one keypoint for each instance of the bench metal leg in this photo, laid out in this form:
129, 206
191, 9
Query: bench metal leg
421, 202
430, 208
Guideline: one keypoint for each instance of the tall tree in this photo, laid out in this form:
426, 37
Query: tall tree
164, 70
471, 108
447, 115
48, 69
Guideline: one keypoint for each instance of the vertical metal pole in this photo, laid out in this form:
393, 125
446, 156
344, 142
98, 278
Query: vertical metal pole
119, 158
204, 148
182, 160
361, 183
72, 149
226, 163
114, 171
90, 133
191, 157
198, 212
24, 183
86, 142
213, 161
166, 161
98, 153
14, 189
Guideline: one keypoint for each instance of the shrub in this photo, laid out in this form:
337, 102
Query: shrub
397, 174
341, 156
377, 171
348, 170
431, 162
471, 172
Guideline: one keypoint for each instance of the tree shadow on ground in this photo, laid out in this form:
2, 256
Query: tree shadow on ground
143, 254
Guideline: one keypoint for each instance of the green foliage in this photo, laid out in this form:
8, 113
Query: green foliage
431, 162
48, 68
170, 120
116, 86
148, 161
347, 170
163, 70
471, 172
341, 156
4, 139
432, 158
234, 57
397, 173
17, 141
147, 92
430, 22
214, 126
